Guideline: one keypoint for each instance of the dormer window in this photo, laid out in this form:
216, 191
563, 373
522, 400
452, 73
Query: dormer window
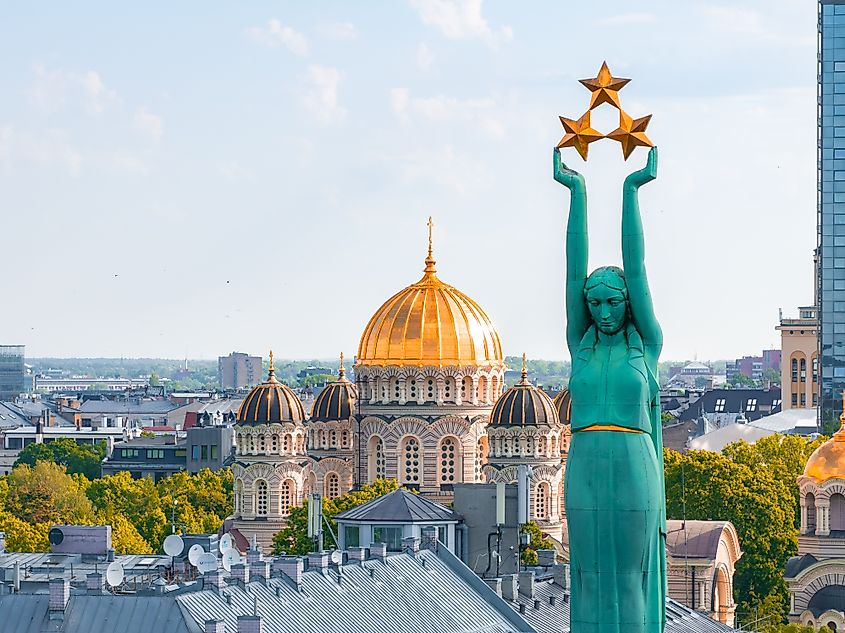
720, 405
751, 404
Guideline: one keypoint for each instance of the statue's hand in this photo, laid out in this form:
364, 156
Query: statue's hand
569, 178
647, 173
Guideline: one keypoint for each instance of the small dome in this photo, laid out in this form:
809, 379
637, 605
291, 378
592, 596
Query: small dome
430, 323
524, 405
336, 401
563, 404
270, 402
828, 460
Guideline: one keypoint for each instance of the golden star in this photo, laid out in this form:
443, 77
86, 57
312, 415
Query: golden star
605, 87
579, 134
631, 133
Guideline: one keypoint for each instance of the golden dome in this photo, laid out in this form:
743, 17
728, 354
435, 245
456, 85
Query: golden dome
430, 323
271, 402
828, 460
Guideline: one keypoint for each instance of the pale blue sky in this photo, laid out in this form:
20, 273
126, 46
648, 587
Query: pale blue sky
192, 178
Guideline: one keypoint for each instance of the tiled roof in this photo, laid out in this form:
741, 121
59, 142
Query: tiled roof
399, 506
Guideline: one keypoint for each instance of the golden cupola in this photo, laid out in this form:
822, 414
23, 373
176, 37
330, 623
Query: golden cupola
430, 323
828, 460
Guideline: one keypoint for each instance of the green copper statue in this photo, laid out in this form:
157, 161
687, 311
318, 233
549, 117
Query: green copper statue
614, 491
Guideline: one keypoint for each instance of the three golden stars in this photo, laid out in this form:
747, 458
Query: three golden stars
605, 89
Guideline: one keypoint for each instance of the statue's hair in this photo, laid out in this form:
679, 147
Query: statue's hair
610, 276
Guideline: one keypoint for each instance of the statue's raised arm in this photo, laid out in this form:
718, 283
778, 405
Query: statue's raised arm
633, 260
577, 315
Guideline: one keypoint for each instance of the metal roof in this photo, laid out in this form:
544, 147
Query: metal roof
127, 406
399, 506
693, 539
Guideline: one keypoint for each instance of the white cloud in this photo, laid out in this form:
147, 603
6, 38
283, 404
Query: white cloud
320, 97
343, 31
479, 112
55, 87
148, 124
459, 20
51, 149
276, 34
626, 19
424, 56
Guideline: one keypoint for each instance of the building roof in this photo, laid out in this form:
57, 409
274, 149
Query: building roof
271, 402
336, 401
11, 416
524, 405
801, 421
735, 401
716, 440
693, 539
797, 564
399, 506
828, 460
563, 404
132, 406
157, 441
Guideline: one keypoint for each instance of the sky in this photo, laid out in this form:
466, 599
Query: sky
188, 179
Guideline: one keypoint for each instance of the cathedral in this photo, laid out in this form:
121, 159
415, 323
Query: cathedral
428, 407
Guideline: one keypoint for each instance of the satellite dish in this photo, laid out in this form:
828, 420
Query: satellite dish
231, 556
226, 542
337, 557
114, 574
207, 562
194, 554
173, 545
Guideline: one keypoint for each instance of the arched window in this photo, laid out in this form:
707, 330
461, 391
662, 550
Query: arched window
837, 512
412, 389
542, 445
299, 441
466, 388
286, 444
378, 465
450, 461
331, 485
261, 498
803, 372
494, 387
449, 390
481, 391
262, 443
251, 443
542, 500
815, 365
237, 490
274, 443
794, 370
333, 438
324, 439
430, 390
286, 497
394, 389
553, 444
480, 458
240, 442
344, 439
410, 462
810, 501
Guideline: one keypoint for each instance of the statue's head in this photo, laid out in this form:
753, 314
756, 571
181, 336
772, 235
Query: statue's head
606, 294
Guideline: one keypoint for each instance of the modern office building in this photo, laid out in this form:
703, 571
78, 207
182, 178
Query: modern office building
831, 206
239, 371
12, 372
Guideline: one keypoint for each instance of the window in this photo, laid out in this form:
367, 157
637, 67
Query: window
286, 497
333, 438
344, 439
794, 370
286, 444
195, 452
794, 399
803, 370
720, 405
378, 466
389, 535
447, 461
205, 449
214, 453
332, 486
155, 453
443, 535
261, 498
751, 404
180, 452
351, 535
129, 452
411, 462
542, 501
815, 369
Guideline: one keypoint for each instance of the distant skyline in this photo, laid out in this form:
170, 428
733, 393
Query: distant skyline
187, 180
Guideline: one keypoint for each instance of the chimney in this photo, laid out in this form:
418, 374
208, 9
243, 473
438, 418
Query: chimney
411, 543
536, 605
94, 583
526, 584
213, 579
509, 591
318, 560
249, 624
378, 550
240, 572
546, 557
59, 596
495, 584
215, 626
429, 537
552, 600
357, 553
259, 570
253, 554
292, 567
561, 575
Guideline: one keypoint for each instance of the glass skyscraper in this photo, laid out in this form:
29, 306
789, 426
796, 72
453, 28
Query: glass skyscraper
12, 371
831, 206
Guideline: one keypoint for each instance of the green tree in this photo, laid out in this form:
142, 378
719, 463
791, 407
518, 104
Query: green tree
154, 380
293, 538
125, 538
45, 493
316, 380
136, 499
793, 628
22, 536
77, 458
710, 486
528, 553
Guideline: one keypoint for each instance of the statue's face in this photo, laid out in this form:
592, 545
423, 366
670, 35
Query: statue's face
608, 307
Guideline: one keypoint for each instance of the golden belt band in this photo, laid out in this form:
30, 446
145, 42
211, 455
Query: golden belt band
610, 427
